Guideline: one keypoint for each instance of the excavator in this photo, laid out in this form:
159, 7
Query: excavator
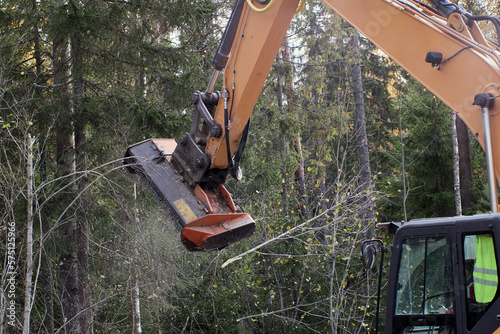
443, 276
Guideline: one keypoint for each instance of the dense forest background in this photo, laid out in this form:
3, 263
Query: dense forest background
86, 248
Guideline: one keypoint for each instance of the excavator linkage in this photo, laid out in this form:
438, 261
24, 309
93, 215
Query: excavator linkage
206, 214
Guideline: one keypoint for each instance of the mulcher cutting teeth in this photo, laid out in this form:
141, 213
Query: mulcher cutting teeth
172, 214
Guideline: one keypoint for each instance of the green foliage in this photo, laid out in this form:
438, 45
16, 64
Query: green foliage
140, 61
428, 156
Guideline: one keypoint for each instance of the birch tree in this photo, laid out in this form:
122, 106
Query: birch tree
456, 164
28, 283
363, 155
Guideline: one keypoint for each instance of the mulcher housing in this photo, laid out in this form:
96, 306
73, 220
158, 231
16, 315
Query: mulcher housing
207, 215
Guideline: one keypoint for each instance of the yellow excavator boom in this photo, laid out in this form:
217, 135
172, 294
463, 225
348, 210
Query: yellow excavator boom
439, 44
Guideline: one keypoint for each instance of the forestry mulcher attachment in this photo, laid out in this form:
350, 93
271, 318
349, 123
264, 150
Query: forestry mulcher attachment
204, 211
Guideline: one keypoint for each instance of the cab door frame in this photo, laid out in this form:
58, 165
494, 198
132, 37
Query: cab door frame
421, 229
480, 224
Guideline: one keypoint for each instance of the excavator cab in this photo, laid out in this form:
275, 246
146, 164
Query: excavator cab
444, 276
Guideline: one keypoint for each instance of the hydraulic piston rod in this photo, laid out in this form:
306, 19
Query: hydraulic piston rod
486, 102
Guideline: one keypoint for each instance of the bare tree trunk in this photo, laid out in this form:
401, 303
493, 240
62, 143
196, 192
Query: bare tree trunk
332, 303
403, 163
66, 166
465, 164
300, 178
83, 229
29, 236
36, 41
64, 133
134, 282
143, 78
136, 305
456, 164
365, 186
46, 278
47, 293
284, 194
299, 172
45, 264
322, 188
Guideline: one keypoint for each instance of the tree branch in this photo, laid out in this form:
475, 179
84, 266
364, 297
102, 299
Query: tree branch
239, 257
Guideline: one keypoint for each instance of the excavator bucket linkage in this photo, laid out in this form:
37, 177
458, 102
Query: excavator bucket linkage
207, 215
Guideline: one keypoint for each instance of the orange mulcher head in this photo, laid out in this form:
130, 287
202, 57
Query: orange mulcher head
207, 215
216, 231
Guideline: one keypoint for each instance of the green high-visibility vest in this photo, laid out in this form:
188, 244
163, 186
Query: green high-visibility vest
485, 270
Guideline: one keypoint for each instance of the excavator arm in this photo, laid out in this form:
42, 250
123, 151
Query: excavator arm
438, 43
188, 177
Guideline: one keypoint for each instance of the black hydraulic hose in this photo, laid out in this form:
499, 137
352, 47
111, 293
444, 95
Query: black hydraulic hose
241, 148
233, 165
445, 7
494, 20
228, 144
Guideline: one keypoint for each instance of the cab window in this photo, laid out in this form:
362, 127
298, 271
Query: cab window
481, 275
425, 280
425, 298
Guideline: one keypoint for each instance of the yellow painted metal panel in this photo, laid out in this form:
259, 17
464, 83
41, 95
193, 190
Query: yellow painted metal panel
184, 210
